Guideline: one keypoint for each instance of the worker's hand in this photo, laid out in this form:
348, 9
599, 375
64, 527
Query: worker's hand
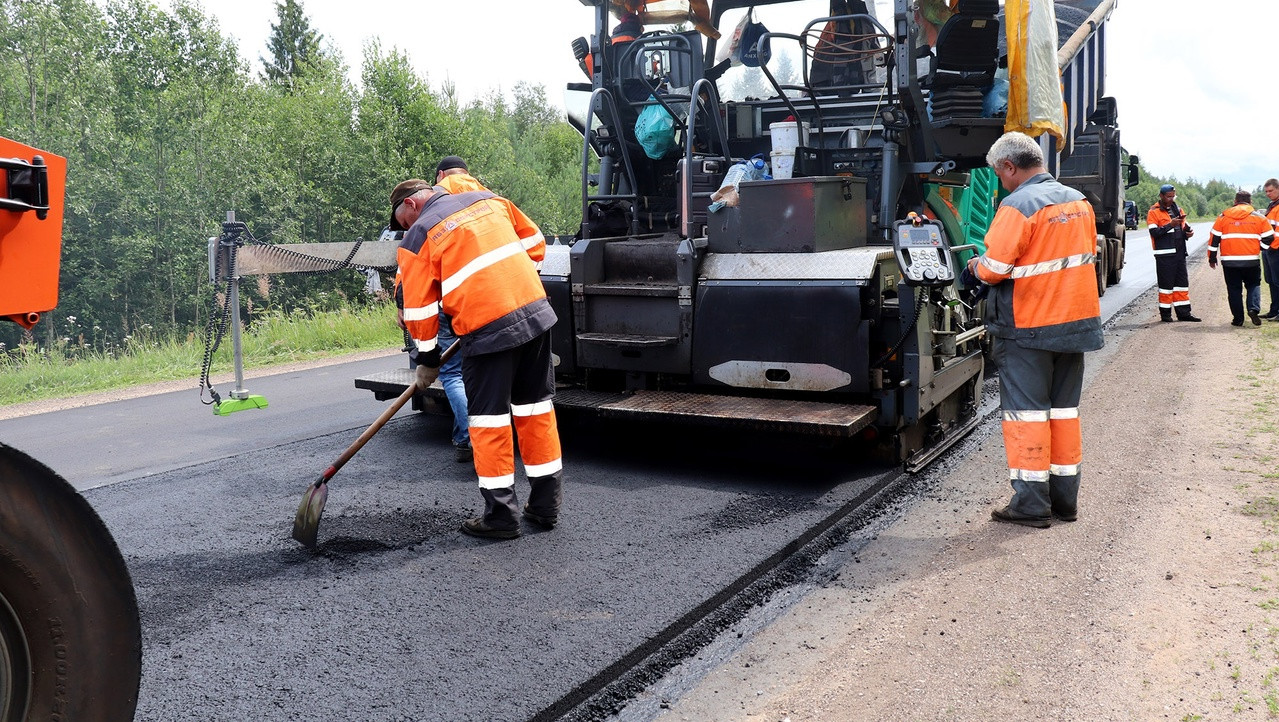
1189, 231
399, 318
426, 376
1212, 263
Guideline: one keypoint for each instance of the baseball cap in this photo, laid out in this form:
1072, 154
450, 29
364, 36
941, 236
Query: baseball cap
1166, 188
450, 162
402, 191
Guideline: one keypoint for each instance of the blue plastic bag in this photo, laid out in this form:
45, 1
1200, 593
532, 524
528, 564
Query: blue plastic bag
655, 131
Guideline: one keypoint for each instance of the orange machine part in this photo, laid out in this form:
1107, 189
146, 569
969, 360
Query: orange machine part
30, 248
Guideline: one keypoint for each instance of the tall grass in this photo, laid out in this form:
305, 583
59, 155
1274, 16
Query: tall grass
32, 373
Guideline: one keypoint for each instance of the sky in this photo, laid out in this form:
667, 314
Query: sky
1189, 78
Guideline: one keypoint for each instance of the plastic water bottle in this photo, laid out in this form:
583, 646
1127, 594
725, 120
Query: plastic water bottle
726, 195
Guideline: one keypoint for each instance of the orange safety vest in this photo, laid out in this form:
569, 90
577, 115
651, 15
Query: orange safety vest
473, 255
1040, 251
1238, 235
1166, 238
1272, 215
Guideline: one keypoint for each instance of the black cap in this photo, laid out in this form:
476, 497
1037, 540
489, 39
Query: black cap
402, 191
449, 162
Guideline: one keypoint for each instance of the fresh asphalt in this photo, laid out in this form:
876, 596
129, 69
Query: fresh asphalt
398, 616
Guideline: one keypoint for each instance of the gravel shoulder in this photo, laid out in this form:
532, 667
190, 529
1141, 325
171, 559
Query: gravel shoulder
1159, 603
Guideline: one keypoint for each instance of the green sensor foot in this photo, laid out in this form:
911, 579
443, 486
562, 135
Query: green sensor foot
230, 406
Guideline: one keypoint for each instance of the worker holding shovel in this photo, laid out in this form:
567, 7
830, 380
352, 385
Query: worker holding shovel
471, 255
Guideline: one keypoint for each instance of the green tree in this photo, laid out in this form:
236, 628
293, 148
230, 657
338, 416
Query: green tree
294, 45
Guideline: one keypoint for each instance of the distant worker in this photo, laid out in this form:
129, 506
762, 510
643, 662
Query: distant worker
471, 255
1168, 233
1239, 234
452, 175
1270, 256
1043, 313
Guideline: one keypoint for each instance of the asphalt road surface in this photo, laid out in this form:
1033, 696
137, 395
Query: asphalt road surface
399, 616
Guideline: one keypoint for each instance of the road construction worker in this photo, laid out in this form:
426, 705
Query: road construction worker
471, 255
1270, 256
1168, 233
1043, 314
452, 175
1238, 235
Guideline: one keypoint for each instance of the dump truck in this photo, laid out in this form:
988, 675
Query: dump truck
825, 303
70, 637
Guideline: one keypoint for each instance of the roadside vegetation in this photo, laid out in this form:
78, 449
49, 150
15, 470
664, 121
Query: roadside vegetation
30, 372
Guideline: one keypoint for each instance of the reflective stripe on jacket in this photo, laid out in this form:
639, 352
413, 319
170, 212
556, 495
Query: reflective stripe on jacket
1166, 237
1272, 215
1039, 258
472, 255
1238, 235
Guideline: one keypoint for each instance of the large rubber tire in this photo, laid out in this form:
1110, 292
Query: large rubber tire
1100, 265
70, 640
1117, 251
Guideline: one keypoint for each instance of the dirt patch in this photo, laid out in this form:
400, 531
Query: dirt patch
1159, 603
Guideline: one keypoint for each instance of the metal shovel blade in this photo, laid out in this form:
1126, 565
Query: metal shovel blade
306, 524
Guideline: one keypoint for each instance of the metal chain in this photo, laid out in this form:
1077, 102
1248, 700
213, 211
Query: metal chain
232, 238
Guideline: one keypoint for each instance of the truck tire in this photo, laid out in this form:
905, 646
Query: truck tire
1117, 251
1100, 265
70, 640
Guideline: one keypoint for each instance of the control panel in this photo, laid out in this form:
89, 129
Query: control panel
923, 252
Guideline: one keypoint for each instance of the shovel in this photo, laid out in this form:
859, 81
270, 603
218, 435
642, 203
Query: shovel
306, 524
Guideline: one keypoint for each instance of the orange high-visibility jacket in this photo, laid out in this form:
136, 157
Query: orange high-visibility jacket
460, 183
1272, 215
1040, 251
472, 255
1166, 237
1238, 235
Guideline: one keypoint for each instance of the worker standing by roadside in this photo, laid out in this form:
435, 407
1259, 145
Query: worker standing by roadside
452, 175
471, 255
1168, 234
1239, 234
1270, 256
1043, 314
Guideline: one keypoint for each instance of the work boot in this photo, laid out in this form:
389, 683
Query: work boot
1237, 322
480, 528
544, 499
1272, 316
462, 452
1189, 317
1255, 316
499, 521
1008, 516
1165, 315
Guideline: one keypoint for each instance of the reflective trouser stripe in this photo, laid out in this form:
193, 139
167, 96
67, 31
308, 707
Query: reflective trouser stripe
538, 436
515, 385
1026, 444
505, 481
1067, 443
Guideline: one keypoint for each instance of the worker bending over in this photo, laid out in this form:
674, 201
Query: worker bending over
1043, 314
471, 255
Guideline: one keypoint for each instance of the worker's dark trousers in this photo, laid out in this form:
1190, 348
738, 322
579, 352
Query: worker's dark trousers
1270, 271
1241, 280
1039, 394
1174, 285
516, 385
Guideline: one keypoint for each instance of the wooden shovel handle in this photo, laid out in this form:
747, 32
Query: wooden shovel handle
381, 420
